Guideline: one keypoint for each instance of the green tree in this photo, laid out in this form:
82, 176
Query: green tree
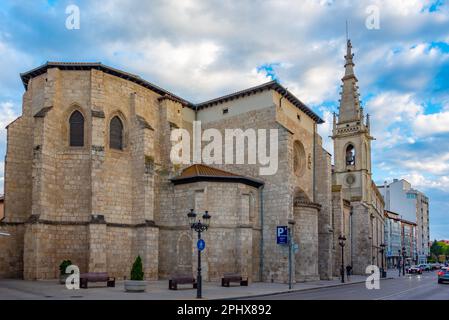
63, 266
439, 249
445, 249
137, 269
436, 249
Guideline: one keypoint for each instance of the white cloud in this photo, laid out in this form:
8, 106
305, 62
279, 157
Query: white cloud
317, 84
2, 175
12, 63
420, 181
191, 65
429, 124
325, 131
388, 109
437, 164
7, 115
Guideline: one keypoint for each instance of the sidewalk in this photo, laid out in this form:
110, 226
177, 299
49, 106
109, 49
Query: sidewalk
13, 289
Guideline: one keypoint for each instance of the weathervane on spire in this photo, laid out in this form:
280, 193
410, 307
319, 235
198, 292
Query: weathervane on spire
347, 31
348, 41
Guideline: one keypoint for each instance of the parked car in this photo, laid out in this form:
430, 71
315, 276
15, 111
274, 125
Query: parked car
415, 270
425, 267
443, 275
435, 266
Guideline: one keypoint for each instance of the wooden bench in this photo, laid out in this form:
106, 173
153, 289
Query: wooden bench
85, 278
233, 277
181, 279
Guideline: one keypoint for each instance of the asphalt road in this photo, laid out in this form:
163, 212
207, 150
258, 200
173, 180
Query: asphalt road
413, 287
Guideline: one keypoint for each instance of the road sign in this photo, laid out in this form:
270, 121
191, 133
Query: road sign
282, 235
201, 244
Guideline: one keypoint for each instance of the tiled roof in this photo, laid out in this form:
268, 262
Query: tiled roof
201, 172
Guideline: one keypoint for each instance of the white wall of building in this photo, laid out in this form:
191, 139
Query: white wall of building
411, 205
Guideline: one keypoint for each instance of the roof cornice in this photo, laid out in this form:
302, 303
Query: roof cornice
74, 66
272, 85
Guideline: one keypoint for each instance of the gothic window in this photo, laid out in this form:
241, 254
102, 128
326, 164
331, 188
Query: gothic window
350, 155
299, 158
76, 129
116, 134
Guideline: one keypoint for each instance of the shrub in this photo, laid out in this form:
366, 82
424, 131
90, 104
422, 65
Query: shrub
137, 269
63, 266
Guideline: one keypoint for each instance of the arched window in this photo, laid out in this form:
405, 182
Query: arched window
350, 155
299, 158
76, 129
116, 134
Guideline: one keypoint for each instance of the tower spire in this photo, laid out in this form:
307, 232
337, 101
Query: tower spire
349, 104
349, 65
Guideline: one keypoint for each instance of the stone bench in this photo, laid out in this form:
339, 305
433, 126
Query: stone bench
233, 277
181, 279
85, 278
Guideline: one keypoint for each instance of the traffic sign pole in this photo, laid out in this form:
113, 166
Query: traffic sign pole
290, 248
199, 278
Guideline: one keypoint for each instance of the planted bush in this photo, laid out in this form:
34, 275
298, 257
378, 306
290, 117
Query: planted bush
63, 266
137, 269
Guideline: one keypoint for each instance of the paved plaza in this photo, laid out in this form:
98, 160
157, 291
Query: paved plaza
14, 289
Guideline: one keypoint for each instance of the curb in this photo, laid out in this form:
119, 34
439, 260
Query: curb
297, 290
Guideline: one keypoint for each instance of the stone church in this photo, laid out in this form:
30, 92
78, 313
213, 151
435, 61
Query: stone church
88, 177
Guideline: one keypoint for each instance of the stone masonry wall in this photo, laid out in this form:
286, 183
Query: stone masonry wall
46, 246
361, 255
229, 239
280, 188
306, 236
64, 187
11, 251
324, 198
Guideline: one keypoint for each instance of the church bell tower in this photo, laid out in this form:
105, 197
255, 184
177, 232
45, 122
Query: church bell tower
352, 139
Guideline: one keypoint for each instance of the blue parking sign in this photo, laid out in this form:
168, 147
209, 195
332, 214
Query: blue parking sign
201, 244
282, 235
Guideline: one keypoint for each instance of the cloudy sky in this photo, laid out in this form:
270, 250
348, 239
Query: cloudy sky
202, 49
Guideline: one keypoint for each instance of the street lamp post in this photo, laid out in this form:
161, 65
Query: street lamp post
403, 261
382, 250
199, 226
341, 242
